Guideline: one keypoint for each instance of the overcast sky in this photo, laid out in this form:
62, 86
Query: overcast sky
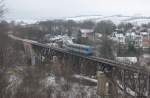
48, 9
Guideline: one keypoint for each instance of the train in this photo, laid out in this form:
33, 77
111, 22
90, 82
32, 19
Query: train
79, 48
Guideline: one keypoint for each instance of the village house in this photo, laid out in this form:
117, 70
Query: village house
141, 39
146, 39
138, 41
130, 36
118, 37
145, 35
87, 33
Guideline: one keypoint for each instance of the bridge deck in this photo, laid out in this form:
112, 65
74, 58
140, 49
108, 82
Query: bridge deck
92, 58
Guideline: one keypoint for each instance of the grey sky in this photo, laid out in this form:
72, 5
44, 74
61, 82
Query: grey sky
47, 9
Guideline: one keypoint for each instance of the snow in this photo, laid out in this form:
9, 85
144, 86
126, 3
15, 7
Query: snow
86, 78
127, 59
85, 17
146, 55
64, 38
49, 81
75, 89
98, 35
139, 21
53, 45
86, 30
56, 38
14, 82
67, 39
27, 40
128, 90
114, 18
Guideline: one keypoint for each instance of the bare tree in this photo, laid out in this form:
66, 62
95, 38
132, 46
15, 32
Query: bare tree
2, 8
107, 48
125, 26
8, 54
105, 27
3, 49
87, 24
30, 86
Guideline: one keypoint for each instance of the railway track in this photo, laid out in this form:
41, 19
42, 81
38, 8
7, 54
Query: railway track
111, 63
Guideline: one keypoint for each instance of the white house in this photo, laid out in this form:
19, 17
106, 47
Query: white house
119, 37
86, 32
139, 41
130, 36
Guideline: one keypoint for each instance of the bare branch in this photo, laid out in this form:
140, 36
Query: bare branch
2, 8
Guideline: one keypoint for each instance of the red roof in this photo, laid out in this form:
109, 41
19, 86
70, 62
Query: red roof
146, 42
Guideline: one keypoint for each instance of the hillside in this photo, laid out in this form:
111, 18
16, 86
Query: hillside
115, 18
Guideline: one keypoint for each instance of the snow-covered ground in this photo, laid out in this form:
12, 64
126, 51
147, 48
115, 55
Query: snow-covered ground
63, 38
86, 78
61, 88
85, 17
73, 90
114, 18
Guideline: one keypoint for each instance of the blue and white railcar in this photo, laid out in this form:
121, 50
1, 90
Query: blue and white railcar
79, 48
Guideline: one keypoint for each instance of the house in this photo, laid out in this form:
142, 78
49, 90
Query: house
118, 37
145, 35
87, 33
130, 36
138, 41
135, 38
146, 43
130, 60
146, 39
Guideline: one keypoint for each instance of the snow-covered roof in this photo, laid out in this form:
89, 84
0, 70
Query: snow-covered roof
86, 30
146, 55
119, 35
131, 59
98, 34
144, 33
130, 34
